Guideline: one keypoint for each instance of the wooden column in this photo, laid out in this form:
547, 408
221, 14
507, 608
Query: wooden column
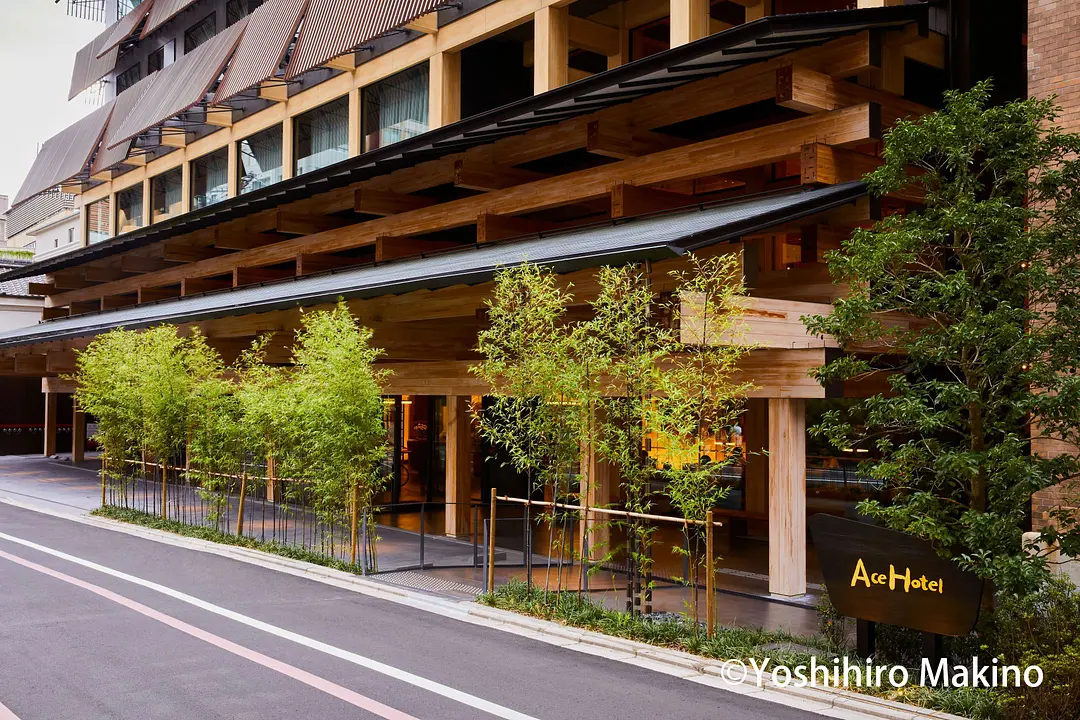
113, 210
758, 10
355, 141
458, 464
551, 48
146, 202
287, 151
233, 169
84, 228
599, 483
689, 21
78, 433
50, 424
756, 441
444, 89
787, 496
185, 187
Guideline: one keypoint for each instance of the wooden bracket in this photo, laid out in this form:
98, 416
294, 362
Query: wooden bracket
382, 203
194, 286
308, 263
603, 139
388, 247
627, 200
476, 175
253, 275
491, 227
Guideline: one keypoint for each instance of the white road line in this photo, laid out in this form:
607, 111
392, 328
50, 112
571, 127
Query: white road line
322, 684
390, 671
6, 714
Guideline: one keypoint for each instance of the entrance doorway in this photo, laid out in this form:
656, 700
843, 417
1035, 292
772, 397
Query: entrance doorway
416, 462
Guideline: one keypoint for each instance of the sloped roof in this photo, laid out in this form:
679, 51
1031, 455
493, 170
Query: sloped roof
271, 29
65, 155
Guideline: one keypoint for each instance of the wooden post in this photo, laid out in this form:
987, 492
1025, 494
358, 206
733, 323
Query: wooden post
600, 480
355, 512
50, 424
689, 21
78, 434
444, 89
458, 465
185, 187
233, 171
164, 492
551, 48
787, 496
288, 154
355, 125
240, 507
103, 478
491, 546
271, 482
145, 202
710, 577
756, 443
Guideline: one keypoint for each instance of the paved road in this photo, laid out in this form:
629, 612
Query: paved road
78, 641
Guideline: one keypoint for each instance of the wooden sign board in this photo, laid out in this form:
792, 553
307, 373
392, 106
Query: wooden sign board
886, 576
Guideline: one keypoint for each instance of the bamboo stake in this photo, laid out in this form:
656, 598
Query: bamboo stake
491, 546
355, 509
240, 509
103, 479
164, 494
710, 577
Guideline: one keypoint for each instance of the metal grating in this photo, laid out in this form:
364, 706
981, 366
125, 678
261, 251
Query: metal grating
126, 26
271, 30
89, 67
335, 27
633, 240
64, 155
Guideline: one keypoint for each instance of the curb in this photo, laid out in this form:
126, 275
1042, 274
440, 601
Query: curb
830, 702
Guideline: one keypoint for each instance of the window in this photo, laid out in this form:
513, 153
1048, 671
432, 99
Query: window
129, 209
162, 57
71, 235
200, 32
97, 221
128, 78
210, 179
237, 10
166, 195
322, 136
396, 108
260, 160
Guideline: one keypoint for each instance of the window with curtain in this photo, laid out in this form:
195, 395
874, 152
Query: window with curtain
322, 136
166, 194
128, 78
237, 10
200, 32
97, 221
260, 162
129, 209
396, 108
210, 179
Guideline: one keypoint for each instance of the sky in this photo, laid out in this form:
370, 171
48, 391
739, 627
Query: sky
38, 42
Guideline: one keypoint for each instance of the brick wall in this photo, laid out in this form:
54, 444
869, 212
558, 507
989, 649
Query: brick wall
1054, 69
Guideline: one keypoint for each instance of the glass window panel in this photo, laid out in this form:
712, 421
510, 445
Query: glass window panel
322, 136
166, 195
396, 108
200, 32
129, 209
260, 160
97, 221
210, 179
237, 10
128, 78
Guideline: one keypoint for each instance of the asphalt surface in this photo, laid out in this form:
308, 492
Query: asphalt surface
79, 642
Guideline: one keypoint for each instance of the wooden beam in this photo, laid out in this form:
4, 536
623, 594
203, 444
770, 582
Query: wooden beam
863, 56
610, 141
253, 275
194, 286
174, 139
831, 165
74, 279
30, 364
308, 263
346, 62
488, 176
101, 274
60, 362
854, 126
140, 264
426, 24
444, 89
592, 36
806, 90
382, 203
147, 294
294, 223
627, 200
110, 302
57, 385
51, 313
219, 116
85, 306
177, 253
388, 247
36, 288
274, 91
491, 227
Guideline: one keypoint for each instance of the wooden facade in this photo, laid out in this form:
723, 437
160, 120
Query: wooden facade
810, 117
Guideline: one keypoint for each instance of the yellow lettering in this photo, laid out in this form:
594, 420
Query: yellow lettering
860, 574
894, 576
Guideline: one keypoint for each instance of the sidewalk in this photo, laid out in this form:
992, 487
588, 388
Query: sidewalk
448, 562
